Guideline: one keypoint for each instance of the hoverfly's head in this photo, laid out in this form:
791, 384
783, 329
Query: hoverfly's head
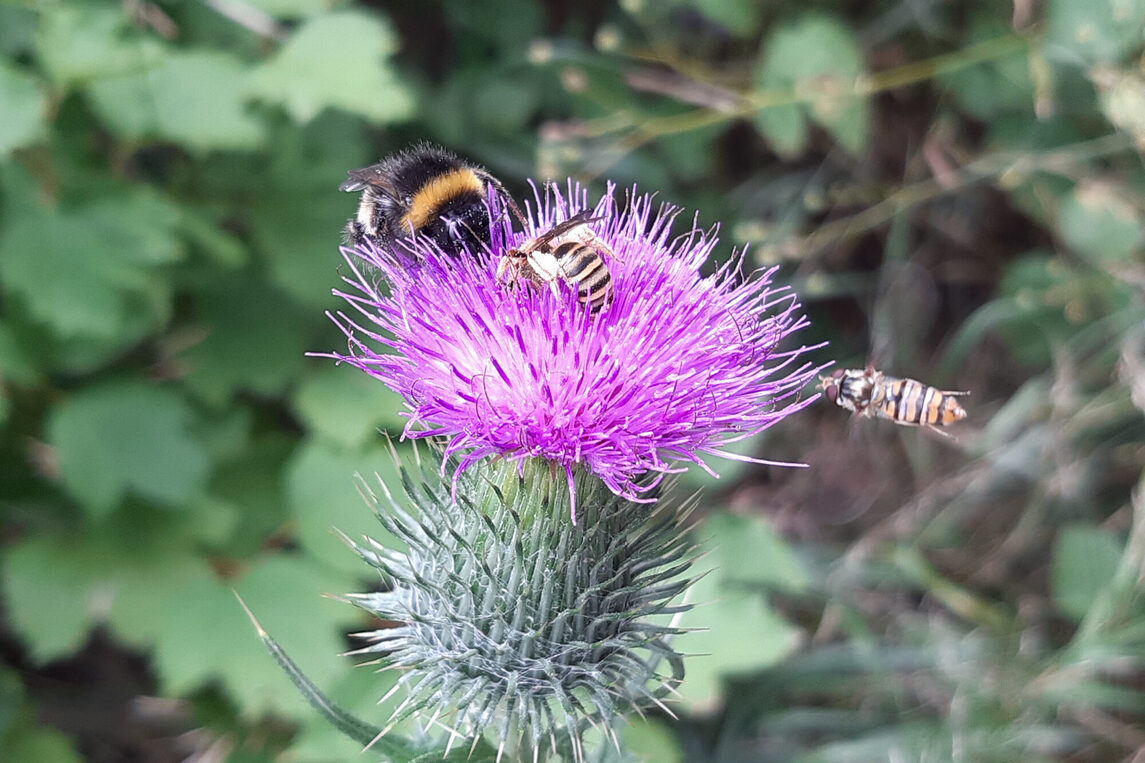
830, 384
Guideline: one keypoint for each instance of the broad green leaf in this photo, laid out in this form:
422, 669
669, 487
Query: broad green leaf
735, 629
196, 99
22, 103
348, 407
250, 486
737, 632
738, 16
255, 340
1098, 222
206, 234
86, 272
293, 9
650, 739
323, 493
993, 87
785, 128
820, 59
80, 43
338, 60
291, 599
17, 364
1094, 31
299, 213
52, 593
128, 437
42, 744
1085, 560
17, 30
746, 549
66, 277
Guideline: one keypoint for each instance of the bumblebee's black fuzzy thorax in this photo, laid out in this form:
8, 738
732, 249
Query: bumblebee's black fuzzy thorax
423, 190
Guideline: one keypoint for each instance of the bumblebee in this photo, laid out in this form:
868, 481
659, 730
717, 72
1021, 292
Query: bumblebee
424, 190
569, 252
904, 401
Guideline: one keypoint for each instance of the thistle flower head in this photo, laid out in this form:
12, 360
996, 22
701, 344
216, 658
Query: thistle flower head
516, 624
678, 366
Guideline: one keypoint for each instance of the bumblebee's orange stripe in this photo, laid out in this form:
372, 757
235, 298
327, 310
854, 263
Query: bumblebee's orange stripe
426, 202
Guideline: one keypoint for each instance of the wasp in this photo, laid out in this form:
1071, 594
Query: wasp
571, 252
904, 401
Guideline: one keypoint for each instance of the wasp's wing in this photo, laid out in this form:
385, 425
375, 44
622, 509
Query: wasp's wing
560, 229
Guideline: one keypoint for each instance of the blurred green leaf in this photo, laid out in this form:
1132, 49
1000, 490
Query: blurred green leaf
221, 247
1085, 560
739, 17
651, 739
80, 43
50, 596
1098, 222
17, 365
291, 598
41, 744
293, 9
298, 217
348, 407
734, 630
339, 60
322, 492
85, 271
255, 340
746, 549
1086, 32
17, 30
817, 57
195, 98
22, 103
250, 486
997, 86
128, 437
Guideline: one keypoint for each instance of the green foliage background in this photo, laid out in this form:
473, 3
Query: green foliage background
955, 189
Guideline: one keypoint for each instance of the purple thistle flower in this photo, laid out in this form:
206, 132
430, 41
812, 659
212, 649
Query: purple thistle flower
678, 366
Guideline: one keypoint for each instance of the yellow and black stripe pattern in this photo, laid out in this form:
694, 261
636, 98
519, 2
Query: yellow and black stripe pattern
872, 393
570, 252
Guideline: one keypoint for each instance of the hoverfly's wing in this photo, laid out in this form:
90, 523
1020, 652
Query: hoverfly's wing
902, 316
373, 176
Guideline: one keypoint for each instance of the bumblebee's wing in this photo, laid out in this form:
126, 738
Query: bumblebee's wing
372, 176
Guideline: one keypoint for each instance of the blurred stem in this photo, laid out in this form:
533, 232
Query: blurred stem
1114, 607
645, 129
955, 598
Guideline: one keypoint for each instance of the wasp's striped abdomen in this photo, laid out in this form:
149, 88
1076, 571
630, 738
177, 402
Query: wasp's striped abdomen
583, 266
